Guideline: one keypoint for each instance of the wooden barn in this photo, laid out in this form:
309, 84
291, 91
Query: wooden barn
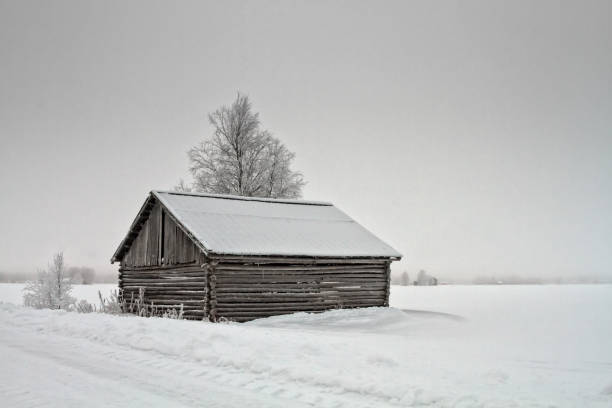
242, 258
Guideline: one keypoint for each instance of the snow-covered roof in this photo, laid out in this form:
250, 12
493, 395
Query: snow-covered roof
234, 225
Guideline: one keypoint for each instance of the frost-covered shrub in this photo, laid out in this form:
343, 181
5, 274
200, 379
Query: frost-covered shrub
115, 304
51, 289
173, 313
83, 306
138, 306
112, 304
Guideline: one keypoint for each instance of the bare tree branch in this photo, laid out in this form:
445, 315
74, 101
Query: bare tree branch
241, 158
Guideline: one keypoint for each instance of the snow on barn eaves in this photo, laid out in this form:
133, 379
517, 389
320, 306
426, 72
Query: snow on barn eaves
258, 226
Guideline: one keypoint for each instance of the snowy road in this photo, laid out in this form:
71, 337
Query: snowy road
514, 347
46, 369
68, 373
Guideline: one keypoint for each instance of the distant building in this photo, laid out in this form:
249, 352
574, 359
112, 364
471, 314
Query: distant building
423, 279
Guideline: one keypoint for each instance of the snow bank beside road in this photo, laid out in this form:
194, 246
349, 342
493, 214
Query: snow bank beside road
376, 356
354, 366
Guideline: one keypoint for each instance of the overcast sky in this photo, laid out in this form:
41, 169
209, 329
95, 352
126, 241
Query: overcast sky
474, 137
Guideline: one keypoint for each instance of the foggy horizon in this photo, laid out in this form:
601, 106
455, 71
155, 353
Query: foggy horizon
474, 138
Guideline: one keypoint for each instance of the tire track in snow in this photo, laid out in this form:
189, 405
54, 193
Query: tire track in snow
149, 378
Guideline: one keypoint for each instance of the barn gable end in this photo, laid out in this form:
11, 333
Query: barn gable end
160, 241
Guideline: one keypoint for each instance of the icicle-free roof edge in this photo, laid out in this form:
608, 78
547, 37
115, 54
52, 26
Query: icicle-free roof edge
235, 225
244, 198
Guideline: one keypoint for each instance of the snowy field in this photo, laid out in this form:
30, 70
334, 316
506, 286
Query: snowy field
446, 346
13, 292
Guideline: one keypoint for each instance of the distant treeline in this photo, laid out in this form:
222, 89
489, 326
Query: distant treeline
403, 279
423, 279
522, 280
78, 275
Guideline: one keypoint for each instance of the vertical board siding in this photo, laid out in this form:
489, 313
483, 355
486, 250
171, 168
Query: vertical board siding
179, 249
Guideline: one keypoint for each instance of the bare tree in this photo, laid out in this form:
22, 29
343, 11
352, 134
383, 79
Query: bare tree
281, 181
182, 187
241, 158
51, 289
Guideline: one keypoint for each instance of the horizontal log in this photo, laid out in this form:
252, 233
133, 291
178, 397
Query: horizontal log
186, 293
166, 307
303, 283
312, 291
227, 301
324, 285
346, 294
149, 275
169, 300
296, 268
273, 311
165, 284
272, 285
164, 295
152, 269
165, 269
152, 292
162, 289
164, 301
184, 288
289, 292
177, 293
244, 297
191, 265
163, 279
332, 301
363, 302
305, 272
302, 278
256, 305
316, 272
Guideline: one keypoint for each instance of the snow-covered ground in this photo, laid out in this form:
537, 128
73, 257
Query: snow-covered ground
446, 346
13, 292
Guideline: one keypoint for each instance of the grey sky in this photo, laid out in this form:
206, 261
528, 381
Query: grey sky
474, 137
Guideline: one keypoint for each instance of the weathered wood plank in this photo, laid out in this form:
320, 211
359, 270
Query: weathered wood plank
297, 267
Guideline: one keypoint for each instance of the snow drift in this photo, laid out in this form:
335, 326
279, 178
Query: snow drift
477, 356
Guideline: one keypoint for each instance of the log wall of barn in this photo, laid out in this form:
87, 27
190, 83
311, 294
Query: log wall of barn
168, 288
241, 290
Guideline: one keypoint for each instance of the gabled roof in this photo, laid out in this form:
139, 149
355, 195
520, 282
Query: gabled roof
234, 225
